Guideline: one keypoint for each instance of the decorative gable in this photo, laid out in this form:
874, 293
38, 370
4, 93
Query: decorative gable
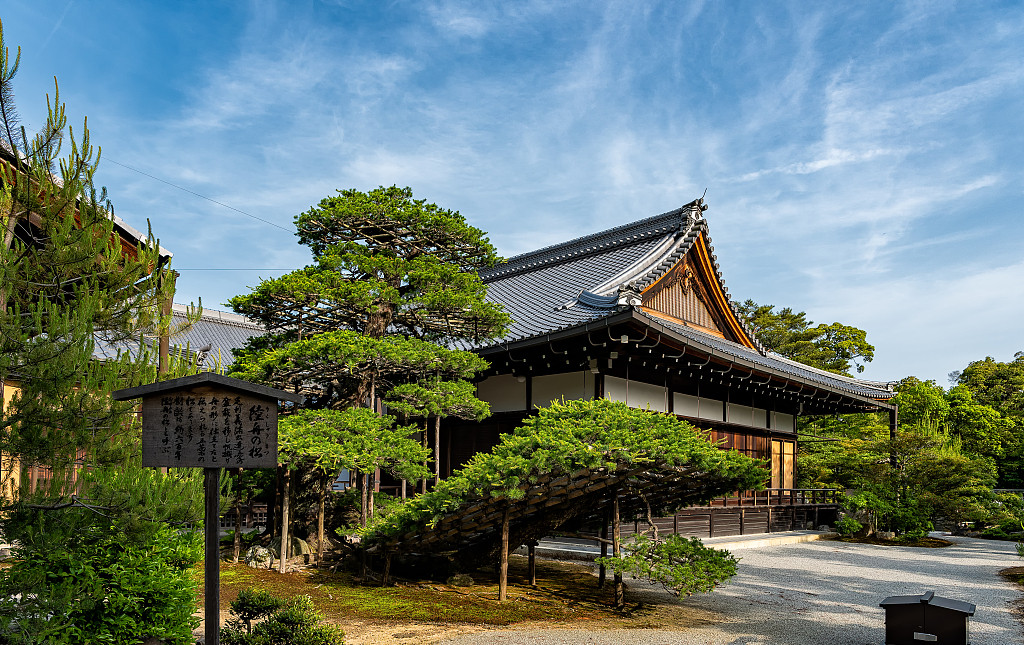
690, 292
678, 294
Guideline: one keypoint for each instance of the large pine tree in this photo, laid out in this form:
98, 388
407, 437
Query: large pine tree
70, 289
392, 288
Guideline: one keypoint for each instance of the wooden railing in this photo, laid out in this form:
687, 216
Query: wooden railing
780, 497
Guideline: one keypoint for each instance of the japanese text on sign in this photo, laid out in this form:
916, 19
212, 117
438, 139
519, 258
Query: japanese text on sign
209, 428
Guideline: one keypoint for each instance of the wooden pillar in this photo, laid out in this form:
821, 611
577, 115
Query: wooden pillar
603, 571
620, 592
503, 559
211, 565
532, 551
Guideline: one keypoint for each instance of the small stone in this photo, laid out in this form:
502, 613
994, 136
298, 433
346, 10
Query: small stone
460, 580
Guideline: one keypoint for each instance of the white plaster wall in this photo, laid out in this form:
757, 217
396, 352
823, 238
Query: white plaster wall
685, 404
783, 422
570, 386
504, 392
740, 414
640, 395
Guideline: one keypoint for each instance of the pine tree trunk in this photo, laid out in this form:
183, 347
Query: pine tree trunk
364, 500
620, 592
437, 450
423, 482
321, 509
371, 487
238, 531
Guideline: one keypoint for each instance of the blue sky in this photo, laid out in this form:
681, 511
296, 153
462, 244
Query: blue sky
862, 161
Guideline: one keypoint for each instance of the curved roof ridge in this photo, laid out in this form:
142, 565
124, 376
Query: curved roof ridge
599, 242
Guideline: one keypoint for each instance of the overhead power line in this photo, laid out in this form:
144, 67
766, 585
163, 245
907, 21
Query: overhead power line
192, 192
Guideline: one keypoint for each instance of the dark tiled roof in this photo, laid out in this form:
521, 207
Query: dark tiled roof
224, 331
592, 278
542, 289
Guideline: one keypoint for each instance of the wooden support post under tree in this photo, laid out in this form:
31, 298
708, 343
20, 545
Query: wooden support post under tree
286, 478
620, 592
532, 560
387, 569
603, 571
503, 560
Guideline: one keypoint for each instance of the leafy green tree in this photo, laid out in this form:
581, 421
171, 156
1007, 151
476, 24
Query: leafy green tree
994, 383
982, 428
390, 274
836, 347
355, 439
941, 465
1000, 386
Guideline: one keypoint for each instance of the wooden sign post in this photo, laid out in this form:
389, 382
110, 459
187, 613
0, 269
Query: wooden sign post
211, 422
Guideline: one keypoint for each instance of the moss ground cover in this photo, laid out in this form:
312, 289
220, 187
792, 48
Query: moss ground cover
564, 593
923, 542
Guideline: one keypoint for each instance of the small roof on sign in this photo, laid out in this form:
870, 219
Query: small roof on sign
930, 598
206, 378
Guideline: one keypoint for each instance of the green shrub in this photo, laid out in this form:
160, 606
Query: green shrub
848, 526
101, 589
107, 567
681, 565
296, 622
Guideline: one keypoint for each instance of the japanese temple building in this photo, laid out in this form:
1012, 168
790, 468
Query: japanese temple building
639, 313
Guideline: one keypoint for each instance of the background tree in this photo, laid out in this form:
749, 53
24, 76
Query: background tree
1000, 386
943, 463
836, 348
101, 555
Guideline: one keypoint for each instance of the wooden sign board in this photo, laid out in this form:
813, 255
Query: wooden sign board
208, 421
209, 427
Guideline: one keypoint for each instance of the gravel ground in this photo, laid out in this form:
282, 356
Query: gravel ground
817, 593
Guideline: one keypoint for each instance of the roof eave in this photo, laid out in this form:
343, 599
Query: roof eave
632, 315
